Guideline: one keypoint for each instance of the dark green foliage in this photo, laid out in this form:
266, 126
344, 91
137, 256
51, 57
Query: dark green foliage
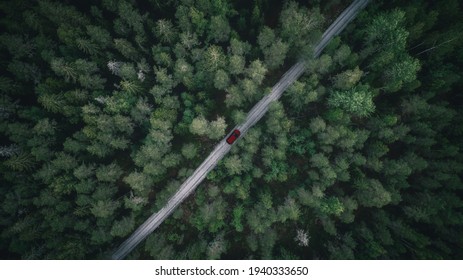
106, 108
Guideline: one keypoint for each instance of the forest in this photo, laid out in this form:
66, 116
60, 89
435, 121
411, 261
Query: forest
106, 107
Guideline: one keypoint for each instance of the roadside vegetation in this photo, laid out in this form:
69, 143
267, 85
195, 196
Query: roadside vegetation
105, 109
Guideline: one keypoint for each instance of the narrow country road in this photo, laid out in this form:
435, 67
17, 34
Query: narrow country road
254, 115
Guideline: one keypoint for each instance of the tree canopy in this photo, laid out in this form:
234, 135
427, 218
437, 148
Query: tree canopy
106, 107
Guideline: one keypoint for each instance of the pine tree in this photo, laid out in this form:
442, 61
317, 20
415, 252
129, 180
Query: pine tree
357, 101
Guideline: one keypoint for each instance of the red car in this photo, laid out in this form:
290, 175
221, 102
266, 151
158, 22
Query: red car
235, 134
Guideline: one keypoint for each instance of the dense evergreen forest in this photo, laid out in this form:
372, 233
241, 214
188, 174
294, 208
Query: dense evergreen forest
107, 106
